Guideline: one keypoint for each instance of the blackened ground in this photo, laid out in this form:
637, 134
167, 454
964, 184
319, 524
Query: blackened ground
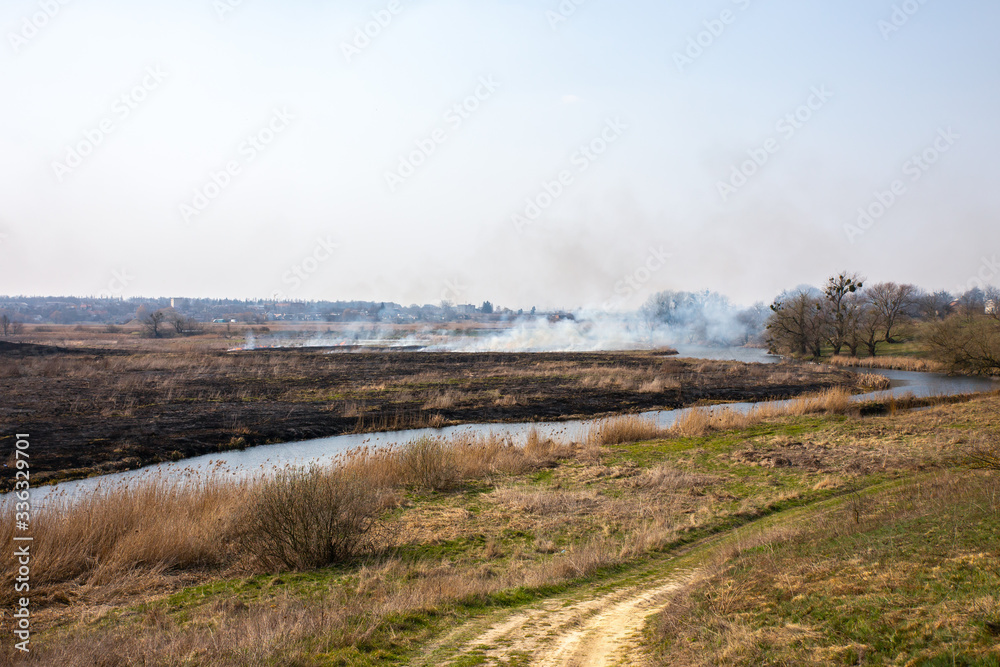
94, 411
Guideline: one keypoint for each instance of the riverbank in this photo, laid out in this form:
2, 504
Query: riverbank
911, 364
462, 558
97, 411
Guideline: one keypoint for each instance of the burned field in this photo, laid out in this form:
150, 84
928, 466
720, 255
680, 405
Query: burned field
97, 410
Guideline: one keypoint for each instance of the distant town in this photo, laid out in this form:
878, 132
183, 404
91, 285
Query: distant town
82, 310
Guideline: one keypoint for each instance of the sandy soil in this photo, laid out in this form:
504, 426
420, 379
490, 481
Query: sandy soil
599, 632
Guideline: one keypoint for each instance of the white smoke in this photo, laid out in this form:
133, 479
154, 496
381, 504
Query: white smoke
668, 319
577, 333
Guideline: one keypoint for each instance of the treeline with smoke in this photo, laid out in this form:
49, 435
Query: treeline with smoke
849, 315
704, 318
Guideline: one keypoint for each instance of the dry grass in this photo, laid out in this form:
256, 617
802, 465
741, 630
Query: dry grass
905, 576
628, 428
873, 382
701, 421
889, 363
659, 384
503, 532
442, 401
130, 535
671, 479
986, 454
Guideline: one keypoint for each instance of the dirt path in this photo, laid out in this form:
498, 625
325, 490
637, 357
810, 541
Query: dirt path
563, 631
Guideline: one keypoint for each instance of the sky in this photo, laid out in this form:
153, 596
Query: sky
580, 153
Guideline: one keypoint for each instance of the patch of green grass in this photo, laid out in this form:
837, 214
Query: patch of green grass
543, 477
914, 580
652, 452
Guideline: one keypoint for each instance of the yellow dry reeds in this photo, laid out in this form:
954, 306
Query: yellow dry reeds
873, 382
134, 532
890, 363
627, 428
701, 421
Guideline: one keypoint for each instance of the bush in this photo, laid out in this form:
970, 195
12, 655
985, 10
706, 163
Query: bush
967, 344
309, 518
427, 464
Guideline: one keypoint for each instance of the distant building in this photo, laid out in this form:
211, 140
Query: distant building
991, 307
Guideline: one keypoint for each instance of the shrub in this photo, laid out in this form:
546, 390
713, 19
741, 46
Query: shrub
309, 517
427, 464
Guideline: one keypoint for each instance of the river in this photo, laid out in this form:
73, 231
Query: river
257, 460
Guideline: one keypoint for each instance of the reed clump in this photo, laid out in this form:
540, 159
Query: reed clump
627, 428
890, 363
701, 421
131, 535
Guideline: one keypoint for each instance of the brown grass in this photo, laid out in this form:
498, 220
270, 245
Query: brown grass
701, 421
736, 610
889, 363
129, 535
873, 382
628, 428
445, 548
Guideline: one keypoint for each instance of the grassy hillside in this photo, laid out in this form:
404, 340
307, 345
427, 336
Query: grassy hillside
906, 576
478, 529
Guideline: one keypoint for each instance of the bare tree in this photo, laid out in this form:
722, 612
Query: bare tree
5, 323
870, 329
967, 342
154, 323
857, 312
841, 309
936, 306
182, 325
796, 324
891, 301
186, 326
972, 302
993, 302
752, 322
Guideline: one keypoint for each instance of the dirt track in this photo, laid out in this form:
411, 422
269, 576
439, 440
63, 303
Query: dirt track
563, 632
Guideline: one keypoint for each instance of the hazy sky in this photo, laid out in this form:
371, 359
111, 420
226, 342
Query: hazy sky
529, 152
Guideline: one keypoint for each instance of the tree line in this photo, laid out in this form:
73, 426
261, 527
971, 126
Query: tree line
849, 315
